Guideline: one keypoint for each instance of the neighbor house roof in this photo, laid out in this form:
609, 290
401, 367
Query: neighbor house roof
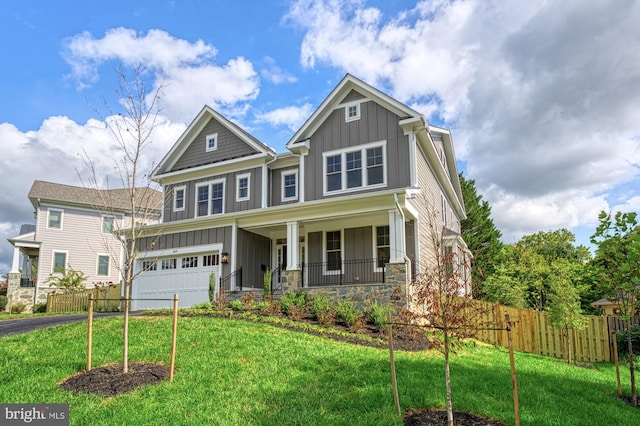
113, 199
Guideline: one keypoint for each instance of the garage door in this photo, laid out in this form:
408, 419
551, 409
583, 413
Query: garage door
184, 273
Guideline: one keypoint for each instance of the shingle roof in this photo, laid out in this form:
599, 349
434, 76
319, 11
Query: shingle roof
113, 199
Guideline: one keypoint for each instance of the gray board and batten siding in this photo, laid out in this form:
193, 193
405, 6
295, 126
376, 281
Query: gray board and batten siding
376, 124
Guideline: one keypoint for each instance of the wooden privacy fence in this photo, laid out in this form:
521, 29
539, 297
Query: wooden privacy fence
106, 299
532, 333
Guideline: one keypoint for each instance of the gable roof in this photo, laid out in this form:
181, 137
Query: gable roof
335, 98
192, 131
112, 199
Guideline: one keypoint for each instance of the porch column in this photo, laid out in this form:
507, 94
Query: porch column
16, 260
293, 238
396, 237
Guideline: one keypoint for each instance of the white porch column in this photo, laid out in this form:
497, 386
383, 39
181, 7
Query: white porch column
15, 269
396, 237
293, 238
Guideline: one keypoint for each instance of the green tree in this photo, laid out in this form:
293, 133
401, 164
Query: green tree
481, 235
617, 263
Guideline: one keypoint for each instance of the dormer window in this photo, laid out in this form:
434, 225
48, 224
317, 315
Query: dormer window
352, 111
212, 142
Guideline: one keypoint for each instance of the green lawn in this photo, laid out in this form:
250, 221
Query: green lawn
232, 372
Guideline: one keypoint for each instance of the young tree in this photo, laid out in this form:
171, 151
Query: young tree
136, 200
67, 280
481, 235
441, 299
618, 264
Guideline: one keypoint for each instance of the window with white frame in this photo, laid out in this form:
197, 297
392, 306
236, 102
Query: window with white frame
149, 265
179, 198
355, 168
383, 245
190, 262
290, 185
168, 264
59, 263
211, 142
242, 187
210, 260
333, 250
352, 111
103, 265
54, 219
210, 198
108, 224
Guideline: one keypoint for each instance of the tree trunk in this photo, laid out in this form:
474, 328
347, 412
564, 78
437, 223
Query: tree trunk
125, 336
634, 398
447, 378
569, 345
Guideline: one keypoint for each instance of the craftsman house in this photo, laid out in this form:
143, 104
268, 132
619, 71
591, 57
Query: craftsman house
74, 227
344, 210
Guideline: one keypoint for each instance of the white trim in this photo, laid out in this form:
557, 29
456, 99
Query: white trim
343, 169
207, 138
179, 251
355, 117
209, 184
238, 178
49, 210
302, 177
182, 188
265, 188
53, 260
284, 173
98, 256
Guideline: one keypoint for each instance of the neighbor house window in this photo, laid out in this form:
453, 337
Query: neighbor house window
108, 224
54, 219
352, 112
289, 185
178, 198
383, 246
210, 198
212, 142
242, 187
346, 170
59, 262
333, 250
103, 265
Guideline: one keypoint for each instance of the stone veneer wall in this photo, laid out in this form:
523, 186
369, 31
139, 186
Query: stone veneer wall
394, 291
17, 294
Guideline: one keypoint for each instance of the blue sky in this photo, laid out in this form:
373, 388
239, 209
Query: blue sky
541, 97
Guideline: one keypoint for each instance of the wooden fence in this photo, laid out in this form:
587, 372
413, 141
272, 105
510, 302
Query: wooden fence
532, 333
106, 300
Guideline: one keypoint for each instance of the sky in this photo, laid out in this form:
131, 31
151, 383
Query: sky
542, 97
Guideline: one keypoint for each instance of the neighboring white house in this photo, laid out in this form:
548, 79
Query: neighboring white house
74, 228
345, 210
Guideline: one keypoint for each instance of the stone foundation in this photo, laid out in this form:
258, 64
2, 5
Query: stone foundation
25, 295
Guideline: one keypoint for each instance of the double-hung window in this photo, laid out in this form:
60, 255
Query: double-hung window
108, 224
290, 185
103, 265
59, 264
54, 219
383, 245
333, 250
242, 187
210, 198
355, 168
179, 198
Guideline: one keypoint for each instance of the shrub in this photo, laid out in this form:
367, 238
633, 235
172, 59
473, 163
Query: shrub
623, 346
293, 298
3, 303
39, 308
377, 314
262, 305
296, 313
222, 301
18, 308
249, 299
203, 305
236, 305
321, 310
347, 313
67, 280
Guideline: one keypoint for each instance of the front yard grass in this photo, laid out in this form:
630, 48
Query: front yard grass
234, 372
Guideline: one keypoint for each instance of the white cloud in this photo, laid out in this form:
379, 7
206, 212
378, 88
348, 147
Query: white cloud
187, 70
292, 116
541, 96
276, 75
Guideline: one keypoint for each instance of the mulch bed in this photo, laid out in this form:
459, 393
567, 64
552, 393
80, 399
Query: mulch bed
439, 417
109, 380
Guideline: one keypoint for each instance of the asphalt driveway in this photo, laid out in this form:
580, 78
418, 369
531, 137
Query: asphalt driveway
22, 325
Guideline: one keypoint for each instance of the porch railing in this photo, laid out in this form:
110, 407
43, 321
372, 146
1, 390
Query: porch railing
227, 282
27, 282
346, 272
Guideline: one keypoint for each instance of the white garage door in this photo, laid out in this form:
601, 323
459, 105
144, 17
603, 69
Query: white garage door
183, 272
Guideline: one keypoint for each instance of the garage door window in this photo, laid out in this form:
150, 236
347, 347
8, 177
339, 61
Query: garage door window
168, 264
210, 260
190, 262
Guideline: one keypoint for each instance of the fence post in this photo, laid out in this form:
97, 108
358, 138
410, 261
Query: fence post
514, 382
89, 332
173, 337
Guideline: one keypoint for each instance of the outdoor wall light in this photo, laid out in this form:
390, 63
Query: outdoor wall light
225, 258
